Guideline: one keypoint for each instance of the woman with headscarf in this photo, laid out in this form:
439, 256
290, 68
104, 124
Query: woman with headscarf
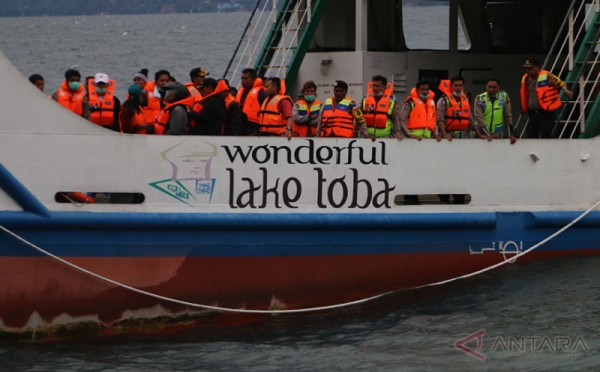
131, 117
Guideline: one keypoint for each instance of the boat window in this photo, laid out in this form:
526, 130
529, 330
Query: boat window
337, 29
78, 197
432, 199
427, 27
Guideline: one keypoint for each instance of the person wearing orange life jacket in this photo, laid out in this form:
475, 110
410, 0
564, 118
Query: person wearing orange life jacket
211, 118
197, 76
454, 110
233, 117
174, 116
306, 111
275, 115
340, 117
104, 105
540, 98
71, 94
381, 109
250, 98
155, 95
418, 115
131, 117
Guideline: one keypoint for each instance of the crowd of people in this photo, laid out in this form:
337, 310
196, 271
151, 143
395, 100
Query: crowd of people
206, 106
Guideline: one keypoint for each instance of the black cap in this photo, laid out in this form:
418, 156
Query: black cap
198, 72
340, 84
532, 62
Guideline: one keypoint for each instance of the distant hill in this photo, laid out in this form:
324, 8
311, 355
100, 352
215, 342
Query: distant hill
20, 8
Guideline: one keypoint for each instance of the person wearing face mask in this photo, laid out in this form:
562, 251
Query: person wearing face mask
417, 119
306, 112
454, 110
155, 95
381, 109
492, 111
71, 94
104, 106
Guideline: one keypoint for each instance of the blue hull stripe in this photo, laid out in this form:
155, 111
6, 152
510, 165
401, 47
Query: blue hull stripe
20, 194
231, 221
84, 234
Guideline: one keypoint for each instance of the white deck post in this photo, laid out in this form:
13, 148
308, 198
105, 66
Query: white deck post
453, 31
361, 25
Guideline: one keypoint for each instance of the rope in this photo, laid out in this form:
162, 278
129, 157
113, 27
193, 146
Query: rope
320, 308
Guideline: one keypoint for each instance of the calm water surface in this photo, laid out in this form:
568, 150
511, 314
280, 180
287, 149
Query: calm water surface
411, 331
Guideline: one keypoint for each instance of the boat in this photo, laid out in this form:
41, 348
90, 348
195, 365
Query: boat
187, 231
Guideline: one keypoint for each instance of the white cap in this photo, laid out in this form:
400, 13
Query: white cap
101, 78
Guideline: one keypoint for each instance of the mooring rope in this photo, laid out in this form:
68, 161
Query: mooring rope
320, 308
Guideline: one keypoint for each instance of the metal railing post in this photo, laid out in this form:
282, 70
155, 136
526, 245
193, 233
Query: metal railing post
571, 42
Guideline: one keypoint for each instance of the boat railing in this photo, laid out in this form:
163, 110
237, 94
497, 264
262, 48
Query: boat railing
275, 47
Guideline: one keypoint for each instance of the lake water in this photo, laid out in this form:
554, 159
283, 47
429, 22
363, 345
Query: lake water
543, 303
120, 46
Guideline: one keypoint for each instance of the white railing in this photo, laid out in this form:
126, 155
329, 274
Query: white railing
256, 37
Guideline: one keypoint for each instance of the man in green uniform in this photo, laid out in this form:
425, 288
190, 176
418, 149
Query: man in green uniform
492, 111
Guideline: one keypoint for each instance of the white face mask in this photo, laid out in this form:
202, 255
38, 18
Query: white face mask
457, 94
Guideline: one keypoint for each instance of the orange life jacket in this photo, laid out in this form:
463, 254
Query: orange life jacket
198, 106
271, 118
72, 101
457, 117
547, 93
306, 109
196, 94
152, 110
229, 100
165, 114
377, 113
423, 114
136, 119
104, 111
337, 121
251, 106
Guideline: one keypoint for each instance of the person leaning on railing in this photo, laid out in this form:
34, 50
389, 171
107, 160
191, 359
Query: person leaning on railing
341, 117
540, 98
492, 111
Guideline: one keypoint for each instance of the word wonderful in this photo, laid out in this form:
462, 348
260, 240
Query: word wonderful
309, 154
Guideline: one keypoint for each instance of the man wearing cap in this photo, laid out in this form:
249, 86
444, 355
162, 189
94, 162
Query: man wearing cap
540, 98
71, 94
197, 76
340, 117
104, 106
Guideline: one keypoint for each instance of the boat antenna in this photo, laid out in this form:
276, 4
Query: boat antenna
242, 38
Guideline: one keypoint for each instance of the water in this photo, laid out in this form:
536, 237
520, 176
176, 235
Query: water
413, 331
